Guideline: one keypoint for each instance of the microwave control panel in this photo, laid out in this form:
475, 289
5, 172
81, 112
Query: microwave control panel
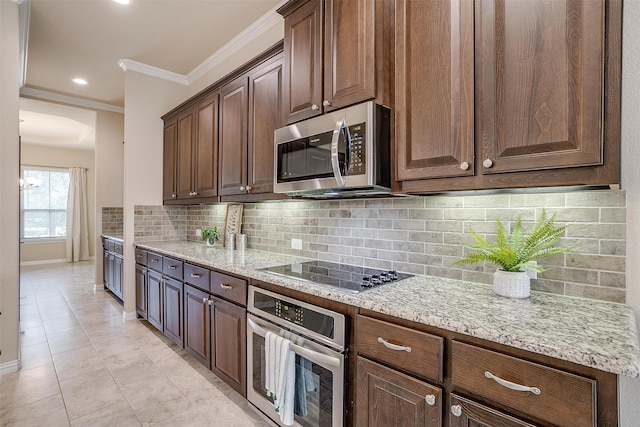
357, 150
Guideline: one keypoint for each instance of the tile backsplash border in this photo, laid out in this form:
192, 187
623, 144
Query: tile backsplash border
424, 235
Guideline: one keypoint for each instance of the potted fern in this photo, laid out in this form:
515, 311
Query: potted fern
210, 235
514, 253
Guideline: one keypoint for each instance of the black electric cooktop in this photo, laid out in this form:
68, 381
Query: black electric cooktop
348, 277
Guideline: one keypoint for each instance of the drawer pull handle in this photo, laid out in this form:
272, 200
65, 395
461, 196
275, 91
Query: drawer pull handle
154, 260
393, 346
456, 410
173, 267
196, 275
223, 286
510, 385
430, 399
138, 256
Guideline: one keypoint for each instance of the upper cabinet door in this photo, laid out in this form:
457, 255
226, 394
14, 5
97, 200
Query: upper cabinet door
205, 160
232, 164
265, 116
349, 52
303, 58
184, 154
169, 191
540, 77
434, 101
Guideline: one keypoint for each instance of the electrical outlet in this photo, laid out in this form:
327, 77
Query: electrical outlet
198, 232
296, 244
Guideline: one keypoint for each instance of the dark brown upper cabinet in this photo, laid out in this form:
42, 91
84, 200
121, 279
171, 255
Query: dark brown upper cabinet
169, 190
336, 54
542, 107
232, 169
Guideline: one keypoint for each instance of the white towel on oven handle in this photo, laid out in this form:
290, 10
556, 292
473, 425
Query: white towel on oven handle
280, 375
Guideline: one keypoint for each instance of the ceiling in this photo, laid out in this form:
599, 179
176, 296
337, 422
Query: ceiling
88, 38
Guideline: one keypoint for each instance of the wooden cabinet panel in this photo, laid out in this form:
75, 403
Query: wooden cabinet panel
389, 398
117, 276
196, 276
154, 261
141, 291
425, 358
170, 140
229, 287
349, 52
540, 77
184, 154
232, 165
466, 413
434, 98
154, 299
303, 62
265, 116
105, 269
172, 267
197, 324
173, 310
141, 257
565, 399
229, 344
205, 158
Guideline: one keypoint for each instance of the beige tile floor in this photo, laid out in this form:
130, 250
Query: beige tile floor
83, 365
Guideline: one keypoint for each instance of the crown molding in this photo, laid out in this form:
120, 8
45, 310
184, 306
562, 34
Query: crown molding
71, 100
150, 70
250, 33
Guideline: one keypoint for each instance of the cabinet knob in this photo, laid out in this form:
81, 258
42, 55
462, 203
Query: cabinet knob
325, 103
173, 196
315, 107
487, 163
210, 302
205, 299
456, 410
430, 399
195, 193
248, 188
464, 166
242, 188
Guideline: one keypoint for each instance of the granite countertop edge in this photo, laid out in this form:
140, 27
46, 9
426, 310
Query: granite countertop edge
114, 236
591, 333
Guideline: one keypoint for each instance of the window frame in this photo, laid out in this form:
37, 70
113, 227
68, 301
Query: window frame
51, 239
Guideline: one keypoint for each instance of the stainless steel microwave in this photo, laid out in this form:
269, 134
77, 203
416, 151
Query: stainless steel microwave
342, 153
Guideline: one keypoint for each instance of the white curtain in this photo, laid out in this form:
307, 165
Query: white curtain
77, 216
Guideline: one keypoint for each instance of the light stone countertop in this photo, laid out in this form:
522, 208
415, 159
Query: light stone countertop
592, 333
113, 236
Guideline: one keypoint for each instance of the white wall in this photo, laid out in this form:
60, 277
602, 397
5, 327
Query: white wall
630, 388
38, 155
9, 194
109, 168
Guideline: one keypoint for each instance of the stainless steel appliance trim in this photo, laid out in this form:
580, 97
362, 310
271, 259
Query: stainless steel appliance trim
338, 341
337, 372
361, 113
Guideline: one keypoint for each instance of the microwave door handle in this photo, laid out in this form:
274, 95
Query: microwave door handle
314, 356
341, 126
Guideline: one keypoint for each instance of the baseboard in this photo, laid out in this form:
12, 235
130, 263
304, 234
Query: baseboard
9, 367
132, 315
51, 261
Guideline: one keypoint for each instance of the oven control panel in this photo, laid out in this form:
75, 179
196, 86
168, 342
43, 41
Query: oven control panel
289, 312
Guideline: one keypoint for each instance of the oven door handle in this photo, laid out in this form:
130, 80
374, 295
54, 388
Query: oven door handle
314, 356
341, 127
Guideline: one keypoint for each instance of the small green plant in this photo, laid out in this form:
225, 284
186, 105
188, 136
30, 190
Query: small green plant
515, 252
210, 235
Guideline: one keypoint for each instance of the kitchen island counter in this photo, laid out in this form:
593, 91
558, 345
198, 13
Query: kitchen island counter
591, 333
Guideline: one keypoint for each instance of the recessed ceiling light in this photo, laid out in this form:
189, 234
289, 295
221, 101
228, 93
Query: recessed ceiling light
123, 1
79, 81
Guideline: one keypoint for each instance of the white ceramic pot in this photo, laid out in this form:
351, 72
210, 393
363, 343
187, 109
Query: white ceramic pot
210, 245
512, 284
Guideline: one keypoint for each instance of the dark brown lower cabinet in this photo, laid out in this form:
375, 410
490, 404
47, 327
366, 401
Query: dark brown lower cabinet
141, 290
465, 413
197, 324
117, 276
229, 343
387, 397
172, 299
154, 298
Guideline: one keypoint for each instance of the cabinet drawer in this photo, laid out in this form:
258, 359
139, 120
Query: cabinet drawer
172, 267
564, 399
117, 248
196, 276
141, 256
229, 287
154, 261
425, 357
109, 245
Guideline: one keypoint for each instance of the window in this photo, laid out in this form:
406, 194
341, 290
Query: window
43, 209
